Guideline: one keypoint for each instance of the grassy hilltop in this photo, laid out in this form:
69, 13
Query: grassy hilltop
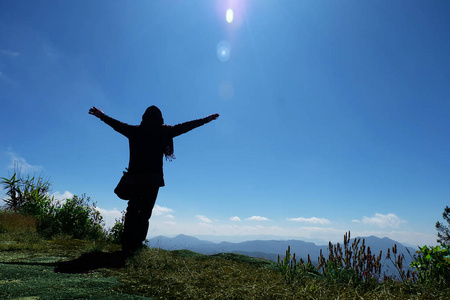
37, 233
27, 263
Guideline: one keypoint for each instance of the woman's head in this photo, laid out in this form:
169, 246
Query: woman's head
152, 116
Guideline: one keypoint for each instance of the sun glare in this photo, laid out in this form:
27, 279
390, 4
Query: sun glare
229, 15
223, 51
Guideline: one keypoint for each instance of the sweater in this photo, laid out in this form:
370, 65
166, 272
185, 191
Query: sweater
147, 147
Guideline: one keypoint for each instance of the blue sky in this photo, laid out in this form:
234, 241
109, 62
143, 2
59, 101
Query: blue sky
334, 115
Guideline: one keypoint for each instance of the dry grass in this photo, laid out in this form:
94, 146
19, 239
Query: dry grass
164, 274
17, 223
185, 275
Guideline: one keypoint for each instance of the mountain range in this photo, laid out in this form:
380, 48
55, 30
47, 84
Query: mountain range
270, 249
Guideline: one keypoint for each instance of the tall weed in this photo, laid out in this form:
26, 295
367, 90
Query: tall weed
348, 263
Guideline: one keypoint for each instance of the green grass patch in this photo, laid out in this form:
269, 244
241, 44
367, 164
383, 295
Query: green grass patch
26, 271
37, 279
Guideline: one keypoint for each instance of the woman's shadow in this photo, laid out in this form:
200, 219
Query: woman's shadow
93, 260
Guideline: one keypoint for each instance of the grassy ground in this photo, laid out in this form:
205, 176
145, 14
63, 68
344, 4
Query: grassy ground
35, 279
187, 275
26, 271
27, 263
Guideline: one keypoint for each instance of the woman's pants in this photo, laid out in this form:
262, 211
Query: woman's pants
138, 213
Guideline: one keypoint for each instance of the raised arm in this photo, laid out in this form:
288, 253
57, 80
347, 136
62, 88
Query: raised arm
118, 126
96, 112
187, 126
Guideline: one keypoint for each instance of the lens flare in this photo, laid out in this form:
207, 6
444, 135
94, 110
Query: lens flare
229, 15
223, 51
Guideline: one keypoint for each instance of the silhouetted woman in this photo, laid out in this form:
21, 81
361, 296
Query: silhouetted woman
149, 142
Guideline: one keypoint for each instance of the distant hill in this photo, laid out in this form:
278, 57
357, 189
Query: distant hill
270, 249
263, 248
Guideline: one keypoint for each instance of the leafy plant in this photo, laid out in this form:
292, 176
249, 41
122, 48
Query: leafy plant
21, 190
79, 218
433, 265
29, 196
115, 233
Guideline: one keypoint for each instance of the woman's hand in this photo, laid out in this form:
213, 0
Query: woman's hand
96, 112
212, 117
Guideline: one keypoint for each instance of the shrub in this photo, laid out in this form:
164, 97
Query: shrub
76, 217
43, 210
433, 265
115, 233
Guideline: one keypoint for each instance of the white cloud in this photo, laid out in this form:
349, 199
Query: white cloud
203, 219
312, 220
19, 164
160, 210
110, 213
257, 218
320, 235
110, 216
10, 53
60, 197
383, 221
235, 219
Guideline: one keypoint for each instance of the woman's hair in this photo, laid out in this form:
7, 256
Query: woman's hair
153, 118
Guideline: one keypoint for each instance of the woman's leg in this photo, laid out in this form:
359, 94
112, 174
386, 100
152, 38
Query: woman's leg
147, 204
138, 213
